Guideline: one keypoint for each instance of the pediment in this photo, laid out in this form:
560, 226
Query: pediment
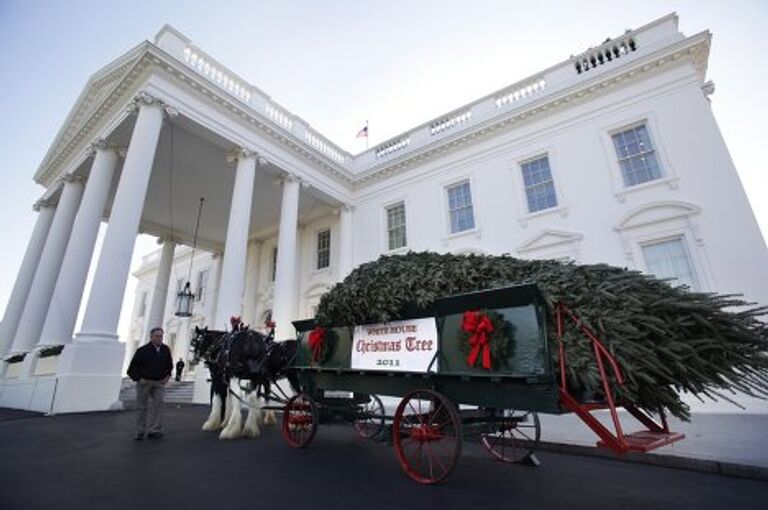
97, 89
657, 212
548, 239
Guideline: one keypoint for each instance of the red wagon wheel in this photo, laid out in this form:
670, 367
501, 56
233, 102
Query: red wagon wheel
371, 420
427, 436
515, 437
299, 420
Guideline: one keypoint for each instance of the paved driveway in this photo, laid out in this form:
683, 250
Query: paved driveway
90, 461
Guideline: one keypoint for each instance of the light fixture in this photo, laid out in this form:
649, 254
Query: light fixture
185, 299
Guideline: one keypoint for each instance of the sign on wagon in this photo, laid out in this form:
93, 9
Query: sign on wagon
406, 346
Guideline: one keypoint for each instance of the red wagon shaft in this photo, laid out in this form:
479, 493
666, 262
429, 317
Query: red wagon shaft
654, 436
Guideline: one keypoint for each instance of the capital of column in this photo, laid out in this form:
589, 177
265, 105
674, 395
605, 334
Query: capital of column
144, 98
168, 239
344, 208
41, 203
100, 144
289, 177
238, 153
69, 178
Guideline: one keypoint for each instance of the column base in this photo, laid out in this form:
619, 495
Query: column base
89, 376
202, 388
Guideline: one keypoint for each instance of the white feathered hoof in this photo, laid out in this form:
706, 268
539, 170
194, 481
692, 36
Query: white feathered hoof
234, 428
251, 428
214, 419
270, 418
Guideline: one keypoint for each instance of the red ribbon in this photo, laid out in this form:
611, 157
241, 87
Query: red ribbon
316, 339
479, 326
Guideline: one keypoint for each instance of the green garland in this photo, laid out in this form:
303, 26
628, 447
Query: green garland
500, 340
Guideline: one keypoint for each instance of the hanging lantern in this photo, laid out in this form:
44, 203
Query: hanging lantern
184, 301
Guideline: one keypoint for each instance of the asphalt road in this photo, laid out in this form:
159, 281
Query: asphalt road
89, 461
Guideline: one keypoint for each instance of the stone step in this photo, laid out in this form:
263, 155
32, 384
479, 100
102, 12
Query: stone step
176, 392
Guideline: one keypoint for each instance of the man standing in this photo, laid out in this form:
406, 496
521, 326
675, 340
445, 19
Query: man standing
151, 368
179, 368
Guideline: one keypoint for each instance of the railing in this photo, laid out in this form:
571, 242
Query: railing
279, 117
606, 52
324, 147
449, 122
392, 146
517, 93
205, 66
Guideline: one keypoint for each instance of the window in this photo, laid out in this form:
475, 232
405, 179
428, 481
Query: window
273, 272
669, 259
539, 186
460, 207
143, 304
202, 281
323, 249
396, 226
180, 285
636, 156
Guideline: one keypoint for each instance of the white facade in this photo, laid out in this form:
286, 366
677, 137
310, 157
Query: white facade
611, 156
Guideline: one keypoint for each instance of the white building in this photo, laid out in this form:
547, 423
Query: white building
611, 156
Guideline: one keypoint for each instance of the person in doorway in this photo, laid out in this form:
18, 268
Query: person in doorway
179, 369
151, 368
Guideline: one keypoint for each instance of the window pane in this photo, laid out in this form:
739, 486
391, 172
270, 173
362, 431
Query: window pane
460, 207
539, 186
396, 226
323, 249
669, 259
636, 155
273, 274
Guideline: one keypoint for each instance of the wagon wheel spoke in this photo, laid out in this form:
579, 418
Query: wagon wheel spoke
435, 432
516, 438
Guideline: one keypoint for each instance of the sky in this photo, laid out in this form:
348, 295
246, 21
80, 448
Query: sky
339, 63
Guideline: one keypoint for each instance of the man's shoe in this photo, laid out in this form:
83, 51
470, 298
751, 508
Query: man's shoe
155, 435
139, 436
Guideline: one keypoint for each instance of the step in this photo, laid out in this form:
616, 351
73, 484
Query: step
646, 440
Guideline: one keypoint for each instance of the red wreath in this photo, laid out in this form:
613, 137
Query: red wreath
479, 326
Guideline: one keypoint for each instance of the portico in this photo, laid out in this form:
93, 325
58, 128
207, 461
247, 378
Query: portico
160, 142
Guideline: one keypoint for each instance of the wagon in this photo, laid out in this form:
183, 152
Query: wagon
475, 365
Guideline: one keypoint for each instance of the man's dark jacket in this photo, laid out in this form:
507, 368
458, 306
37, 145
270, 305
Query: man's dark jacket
151, 363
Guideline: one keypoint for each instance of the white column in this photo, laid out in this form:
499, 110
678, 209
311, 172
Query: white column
29, 264
345, 241
252, 284
36, 307
106, 299
90, 368
212, 291
160, 290
230, 302
65, 303
284, 304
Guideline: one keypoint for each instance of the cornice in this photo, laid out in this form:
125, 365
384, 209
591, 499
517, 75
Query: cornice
81, 128
694, 49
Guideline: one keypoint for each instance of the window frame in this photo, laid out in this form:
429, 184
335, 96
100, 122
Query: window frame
526, 197
682, 237
318, 232
447, 200
669, 176
388, 230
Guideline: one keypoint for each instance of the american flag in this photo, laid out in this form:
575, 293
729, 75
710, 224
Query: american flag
363, 133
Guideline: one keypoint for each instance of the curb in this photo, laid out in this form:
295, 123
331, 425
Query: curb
671, 461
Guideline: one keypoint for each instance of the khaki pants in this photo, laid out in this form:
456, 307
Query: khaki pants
149, 401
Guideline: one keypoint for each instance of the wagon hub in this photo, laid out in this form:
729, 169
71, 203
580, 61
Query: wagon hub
426, 433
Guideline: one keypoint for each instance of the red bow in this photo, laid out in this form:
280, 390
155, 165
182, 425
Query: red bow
236, 322
479, 326
316, 339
